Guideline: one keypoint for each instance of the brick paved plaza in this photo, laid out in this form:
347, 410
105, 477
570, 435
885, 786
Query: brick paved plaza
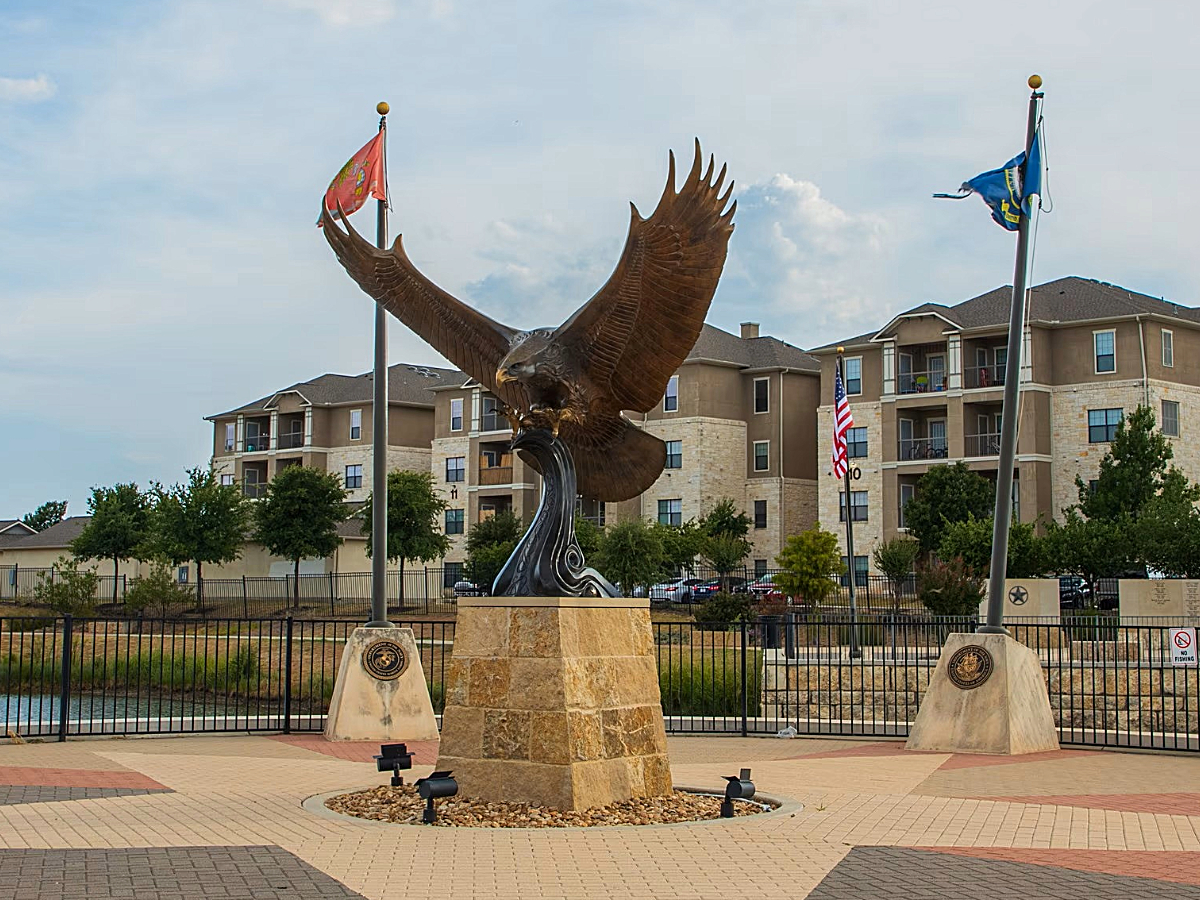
208, 816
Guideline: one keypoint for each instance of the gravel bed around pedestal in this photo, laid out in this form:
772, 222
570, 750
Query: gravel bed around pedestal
402, 806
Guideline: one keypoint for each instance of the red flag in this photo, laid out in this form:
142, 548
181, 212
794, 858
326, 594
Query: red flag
359, 178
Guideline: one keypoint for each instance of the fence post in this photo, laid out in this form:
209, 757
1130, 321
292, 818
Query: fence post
64, 694
287, 677
332, 610
745, 684
245, 598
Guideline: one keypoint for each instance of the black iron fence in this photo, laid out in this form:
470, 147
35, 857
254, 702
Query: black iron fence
1109, 683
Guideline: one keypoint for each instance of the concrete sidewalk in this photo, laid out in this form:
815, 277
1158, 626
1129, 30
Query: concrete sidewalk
221, 816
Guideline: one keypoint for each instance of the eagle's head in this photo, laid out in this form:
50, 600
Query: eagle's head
536, 362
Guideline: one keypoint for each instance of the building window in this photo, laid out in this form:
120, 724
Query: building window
670, 512
226, 481
456, 468
856, 442
454, 521
674, 454
907, 491
1170, 418
853, 372
1102, 424
760, 513
230, 430
858, 506
1093, 485
860, 571
452, 574
671, 397
1168, 345
456, 407
762, 456
492, 458
762, 395
354, 476
490, 420
1106, 351
355, 424
181, 575
760, 568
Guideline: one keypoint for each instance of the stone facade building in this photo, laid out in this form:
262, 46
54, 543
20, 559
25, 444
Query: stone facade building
926, 389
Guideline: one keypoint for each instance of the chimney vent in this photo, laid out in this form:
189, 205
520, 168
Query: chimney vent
749, 330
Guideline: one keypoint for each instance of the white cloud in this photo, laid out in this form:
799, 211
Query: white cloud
27, 90
347, 12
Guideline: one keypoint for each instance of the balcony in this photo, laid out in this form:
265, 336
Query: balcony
982, 445
496, 475
254, 489
926, 382
983, 376
923, 448
256, 443
291, 440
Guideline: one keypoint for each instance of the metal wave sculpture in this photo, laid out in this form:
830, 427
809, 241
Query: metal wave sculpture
565, 389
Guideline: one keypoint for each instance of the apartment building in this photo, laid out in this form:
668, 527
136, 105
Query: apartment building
737, 419
327, 423
926, 389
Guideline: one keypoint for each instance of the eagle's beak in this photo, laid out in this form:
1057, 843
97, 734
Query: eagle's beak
502, 377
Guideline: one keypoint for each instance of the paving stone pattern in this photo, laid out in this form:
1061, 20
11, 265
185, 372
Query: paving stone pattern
12, 794
873, 872
230, 873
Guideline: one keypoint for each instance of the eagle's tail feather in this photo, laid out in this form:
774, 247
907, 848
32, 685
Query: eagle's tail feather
614, 459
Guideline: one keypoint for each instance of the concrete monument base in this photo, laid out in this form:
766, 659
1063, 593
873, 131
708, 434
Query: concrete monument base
987, 695
380, 693
554, 701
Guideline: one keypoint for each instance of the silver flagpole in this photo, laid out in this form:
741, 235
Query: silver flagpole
379, 425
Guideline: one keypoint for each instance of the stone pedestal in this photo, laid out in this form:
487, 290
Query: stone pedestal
1028, 598
554, 702
1177, 599
1006, 712
380, 694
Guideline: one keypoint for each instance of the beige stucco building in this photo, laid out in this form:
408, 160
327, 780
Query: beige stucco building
926, 389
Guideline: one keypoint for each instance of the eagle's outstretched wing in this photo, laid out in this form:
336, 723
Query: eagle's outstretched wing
465, 336
638, 329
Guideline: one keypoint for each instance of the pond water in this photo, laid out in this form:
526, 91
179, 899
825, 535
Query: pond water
96, 714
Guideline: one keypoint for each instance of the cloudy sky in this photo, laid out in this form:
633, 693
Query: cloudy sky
162, 162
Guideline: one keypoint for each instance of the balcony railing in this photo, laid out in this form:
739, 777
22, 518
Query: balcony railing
496, 475
925, 382
291, 440
923, 448
983, 445
256, 443
983, 376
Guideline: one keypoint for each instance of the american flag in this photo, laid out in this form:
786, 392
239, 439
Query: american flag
842, 422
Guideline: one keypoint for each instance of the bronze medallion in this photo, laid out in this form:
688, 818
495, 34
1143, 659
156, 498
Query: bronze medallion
970, 666
385, 660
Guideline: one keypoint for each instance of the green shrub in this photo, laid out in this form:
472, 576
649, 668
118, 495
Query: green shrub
723, 610
67, 589
710, 684
157, 591
950, 588
29, 623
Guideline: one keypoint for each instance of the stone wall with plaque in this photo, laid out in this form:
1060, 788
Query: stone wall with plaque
1173, 598
1028, 598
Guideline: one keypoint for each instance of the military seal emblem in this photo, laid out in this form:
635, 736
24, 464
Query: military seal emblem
385, 660
970, 666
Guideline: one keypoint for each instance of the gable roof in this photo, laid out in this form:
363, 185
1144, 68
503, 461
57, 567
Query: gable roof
15, 527
751, 353
407, 383
60, 534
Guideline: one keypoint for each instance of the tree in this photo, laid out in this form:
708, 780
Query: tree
299, 516
1132, 471
681, 545
725, 520
49, 513
724, 552
808, 565
722, 540
946, 494
950, 588
156, 589
117, 529
200, 520
632, 555
414, 529
896, 559
971, 541
1090, 548
590, 536
490, 543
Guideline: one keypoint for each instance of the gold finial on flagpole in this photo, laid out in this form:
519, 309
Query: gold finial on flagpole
382, 108
841, 349
1035, 81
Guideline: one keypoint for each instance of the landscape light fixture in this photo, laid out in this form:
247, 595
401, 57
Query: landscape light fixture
392, 758
740, 787
439, 784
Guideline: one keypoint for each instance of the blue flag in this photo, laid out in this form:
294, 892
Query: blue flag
1003, 189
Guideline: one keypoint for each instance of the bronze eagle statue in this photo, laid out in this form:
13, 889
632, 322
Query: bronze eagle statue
615, 354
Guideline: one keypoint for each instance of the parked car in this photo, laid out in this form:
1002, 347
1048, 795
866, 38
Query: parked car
1075, 593
467, 589
678, 591
765, 589
706, 589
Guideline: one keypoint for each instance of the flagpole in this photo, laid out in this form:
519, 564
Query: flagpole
379, 422
1012, 384
855, 652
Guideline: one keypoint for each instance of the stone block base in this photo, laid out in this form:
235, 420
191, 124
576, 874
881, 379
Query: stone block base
554, 702
365, 707
1008, 713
